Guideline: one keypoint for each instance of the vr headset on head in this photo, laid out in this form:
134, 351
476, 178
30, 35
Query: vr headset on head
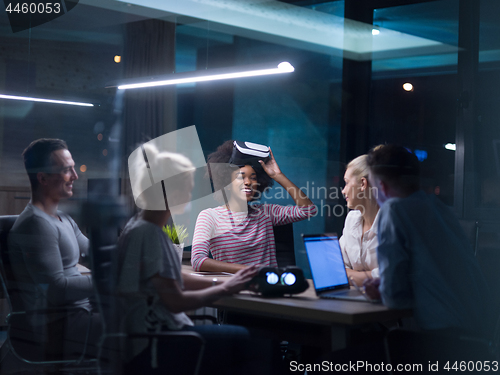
248, 153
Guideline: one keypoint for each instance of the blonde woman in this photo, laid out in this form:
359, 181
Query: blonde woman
155, 293
359, 237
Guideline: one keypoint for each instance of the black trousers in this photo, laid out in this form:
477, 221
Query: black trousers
229, 350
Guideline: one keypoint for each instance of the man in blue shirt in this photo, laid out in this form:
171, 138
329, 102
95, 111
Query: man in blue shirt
426, 263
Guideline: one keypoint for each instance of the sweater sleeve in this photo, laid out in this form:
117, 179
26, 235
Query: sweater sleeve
42, 259
281, 215
343, 241
203, 232
347, 262
83, 241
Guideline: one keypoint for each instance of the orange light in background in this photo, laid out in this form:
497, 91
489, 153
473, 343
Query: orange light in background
99, 137
105, 152
83, 168
437, 190
118, 59
407, 86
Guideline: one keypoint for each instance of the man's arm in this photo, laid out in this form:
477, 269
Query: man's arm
38, 242
83, 244
394, 260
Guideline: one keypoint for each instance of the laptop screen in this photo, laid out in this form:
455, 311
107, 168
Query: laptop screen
326, 262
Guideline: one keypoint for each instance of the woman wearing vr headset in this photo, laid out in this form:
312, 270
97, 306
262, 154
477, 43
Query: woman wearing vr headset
237, 233
359, 237
155, 293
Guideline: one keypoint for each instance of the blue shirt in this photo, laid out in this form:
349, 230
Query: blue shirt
426, 264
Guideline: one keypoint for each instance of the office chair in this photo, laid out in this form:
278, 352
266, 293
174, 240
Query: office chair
182, 351
426, 347
471, 229
31, 345
285, 249
495, 342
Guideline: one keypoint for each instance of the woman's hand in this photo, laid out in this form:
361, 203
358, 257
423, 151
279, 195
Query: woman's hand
240, 280
358, 277
177, 299
273, 171
271, 167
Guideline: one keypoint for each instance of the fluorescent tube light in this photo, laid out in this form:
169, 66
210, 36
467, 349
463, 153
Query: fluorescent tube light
207, 75
450, 146
27, 98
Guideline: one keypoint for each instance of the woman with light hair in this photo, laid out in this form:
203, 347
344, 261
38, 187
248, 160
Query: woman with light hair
155, 293
359, 237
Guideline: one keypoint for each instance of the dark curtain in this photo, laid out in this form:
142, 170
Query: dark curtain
149, 112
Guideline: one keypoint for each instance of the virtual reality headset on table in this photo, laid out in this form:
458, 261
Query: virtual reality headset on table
248, 153
278, 281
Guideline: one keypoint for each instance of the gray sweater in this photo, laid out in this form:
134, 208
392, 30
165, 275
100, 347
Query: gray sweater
44, 252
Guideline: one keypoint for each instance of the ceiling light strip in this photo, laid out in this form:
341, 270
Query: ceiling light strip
42, 100
207, 75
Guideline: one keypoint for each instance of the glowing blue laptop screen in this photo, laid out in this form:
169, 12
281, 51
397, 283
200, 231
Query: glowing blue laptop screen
326, 262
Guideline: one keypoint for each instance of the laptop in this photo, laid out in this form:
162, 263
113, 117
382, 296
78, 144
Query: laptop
327, 268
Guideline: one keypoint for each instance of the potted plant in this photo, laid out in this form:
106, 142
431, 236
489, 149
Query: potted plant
177, 234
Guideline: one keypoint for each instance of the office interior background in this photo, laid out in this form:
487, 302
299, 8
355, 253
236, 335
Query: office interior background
352, 59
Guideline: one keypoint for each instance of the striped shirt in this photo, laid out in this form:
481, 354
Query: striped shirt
241, 237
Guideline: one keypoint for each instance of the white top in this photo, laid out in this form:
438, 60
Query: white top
359, 249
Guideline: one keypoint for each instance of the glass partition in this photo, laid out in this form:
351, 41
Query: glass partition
487, 133
82, 55
413, 97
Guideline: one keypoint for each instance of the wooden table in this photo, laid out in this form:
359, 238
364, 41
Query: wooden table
304, 318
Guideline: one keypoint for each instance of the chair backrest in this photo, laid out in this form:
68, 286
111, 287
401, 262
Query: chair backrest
102, 272
103, 278
21, 339
471, 229
6, 224
285, 249
422, 347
